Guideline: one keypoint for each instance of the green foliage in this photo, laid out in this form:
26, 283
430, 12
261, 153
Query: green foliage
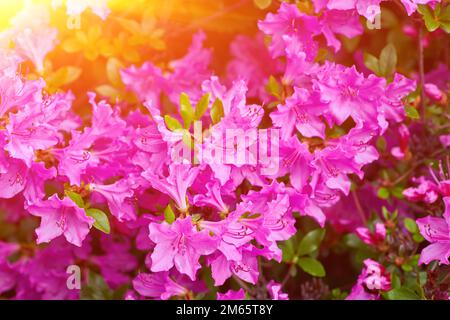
75, 197
202, 106
402, 293
437, 18
217, 111
383, 193
310, 242
412, 112
388, 60
101, 219
302, 253
186, 110
273, 87
97, 289
169, 215
172, 123
384, 66
410, 225
311, 266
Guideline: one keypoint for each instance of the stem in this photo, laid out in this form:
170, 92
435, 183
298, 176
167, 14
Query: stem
359, 207
288, 275
421, 74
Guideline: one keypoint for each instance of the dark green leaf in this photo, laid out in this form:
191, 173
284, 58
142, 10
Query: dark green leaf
402, 294
310, 242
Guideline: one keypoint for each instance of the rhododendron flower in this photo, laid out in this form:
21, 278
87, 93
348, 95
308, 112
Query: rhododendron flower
231, 295
373, 279
375, 238
181, 177
228, 151
158, 285
179, 244
437, 231
275, 291
61, 217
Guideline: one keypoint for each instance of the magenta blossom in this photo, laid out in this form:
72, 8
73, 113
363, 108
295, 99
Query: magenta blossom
373, 279
61, 217
436, 231
179, 244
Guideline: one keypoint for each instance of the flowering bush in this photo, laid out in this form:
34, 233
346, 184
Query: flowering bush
225, 149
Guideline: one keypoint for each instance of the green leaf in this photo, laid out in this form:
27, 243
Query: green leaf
273, 87
169, 216
402, 294
397, 192
417, 237
262, 4
95, 288
75, 197
186, 110
428, 16
172, 123
217, 111
381, 144
371, 62
310, 242
101, 219
202, 106
311, 266
412, 112
388, 60
288, 250
410, 225
383, 193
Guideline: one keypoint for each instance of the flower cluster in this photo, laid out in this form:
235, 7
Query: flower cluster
177, 167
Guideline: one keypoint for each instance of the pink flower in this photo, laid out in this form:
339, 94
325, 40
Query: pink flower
373, 279
181, 177
433, 92
118, 197
231, 295
372, 238
252, 62
13, 180
275, 291
99, 7
427, 191
350, 94
289, 21
302, 110
436, 231
345, 23
245, 268
34, 44
181, 244
7, 273
158, 285
61, 217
